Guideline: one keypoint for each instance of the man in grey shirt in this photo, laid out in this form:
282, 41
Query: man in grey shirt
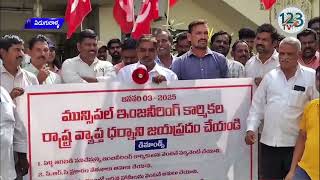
200, 62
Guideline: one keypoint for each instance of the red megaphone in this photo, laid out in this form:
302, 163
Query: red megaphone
140, 75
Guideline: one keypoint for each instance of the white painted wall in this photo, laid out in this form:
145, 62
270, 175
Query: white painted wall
108, 28
220, 14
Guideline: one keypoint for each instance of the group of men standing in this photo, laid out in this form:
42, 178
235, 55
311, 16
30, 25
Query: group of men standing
285, 81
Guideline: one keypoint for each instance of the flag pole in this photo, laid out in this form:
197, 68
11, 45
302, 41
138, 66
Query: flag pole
270, 13
168, 14
133, 15
81, 28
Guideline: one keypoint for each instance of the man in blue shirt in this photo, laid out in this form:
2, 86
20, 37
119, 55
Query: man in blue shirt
200, 62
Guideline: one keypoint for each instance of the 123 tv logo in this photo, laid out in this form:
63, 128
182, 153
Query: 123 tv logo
291, 20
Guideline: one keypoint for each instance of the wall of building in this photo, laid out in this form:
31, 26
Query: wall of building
108, 28
220, 16
228, 15
250, 9
12, 22
315, 8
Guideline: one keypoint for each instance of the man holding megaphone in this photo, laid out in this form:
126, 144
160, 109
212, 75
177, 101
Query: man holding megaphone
146, 69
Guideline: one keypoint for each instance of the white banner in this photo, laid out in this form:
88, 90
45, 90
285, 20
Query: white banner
184, 130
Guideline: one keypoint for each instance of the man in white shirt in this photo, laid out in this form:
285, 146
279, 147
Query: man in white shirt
146, 51
11, 139
13, 78
265, 60
86, 67
39, 53
267, 57
220, 42
280, 100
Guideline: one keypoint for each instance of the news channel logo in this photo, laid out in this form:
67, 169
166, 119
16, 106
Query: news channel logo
291, 20
44, 23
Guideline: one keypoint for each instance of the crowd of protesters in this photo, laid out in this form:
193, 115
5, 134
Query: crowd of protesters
285, 71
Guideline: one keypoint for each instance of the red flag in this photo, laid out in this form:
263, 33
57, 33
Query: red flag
76, 11
172, 2
268, 3
123, 13
149, 11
